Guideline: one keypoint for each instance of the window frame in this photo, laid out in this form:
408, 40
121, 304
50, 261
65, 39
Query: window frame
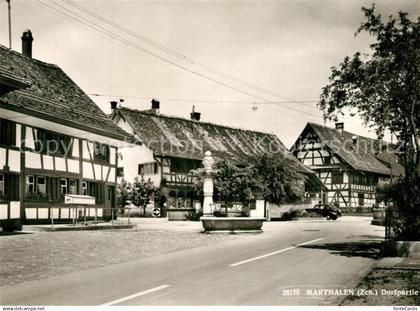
2, 186
84, 187
337, 177
101, 152
64, 186
70, 187
38, 178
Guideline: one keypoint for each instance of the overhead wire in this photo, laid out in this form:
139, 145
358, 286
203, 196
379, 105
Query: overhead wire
81, 20
181, 56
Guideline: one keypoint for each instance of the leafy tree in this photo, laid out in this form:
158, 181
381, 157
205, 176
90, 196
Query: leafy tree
271, 177
383, 87
123, 194
142, 192
282, 182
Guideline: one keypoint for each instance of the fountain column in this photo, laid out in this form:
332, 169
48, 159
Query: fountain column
208, 163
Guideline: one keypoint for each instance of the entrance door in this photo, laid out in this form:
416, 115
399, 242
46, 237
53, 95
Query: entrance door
110, 201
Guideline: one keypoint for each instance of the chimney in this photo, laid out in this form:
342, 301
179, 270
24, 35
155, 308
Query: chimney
155, 106
27, 43
113, 105
195, 116
339, 126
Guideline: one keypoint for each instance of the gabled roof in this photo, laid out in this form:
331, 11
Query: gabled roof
52, 95
364, 155
179, 137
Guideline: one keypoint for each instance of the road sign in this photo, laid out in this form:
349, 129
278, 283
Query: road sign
156, 212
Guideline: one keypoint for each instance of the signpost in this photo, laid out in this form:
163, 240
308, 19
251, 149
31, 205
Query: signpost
77, 200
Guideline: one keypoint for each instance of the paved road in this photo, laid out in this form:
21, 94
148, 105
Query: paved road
257, 270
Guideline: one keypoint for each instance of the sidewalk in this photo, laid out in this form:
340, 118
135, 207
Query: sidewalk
411, 262
391, 274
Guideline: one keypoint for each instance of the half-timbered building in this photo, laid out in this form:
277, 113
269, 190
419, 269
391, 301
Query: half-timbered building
349, 165
54, 141
174, 146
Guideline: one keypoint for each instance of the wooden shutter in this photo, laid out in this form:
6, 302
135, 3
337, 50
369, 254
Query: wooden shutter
7, 132
12, 187
54, 189
101, 191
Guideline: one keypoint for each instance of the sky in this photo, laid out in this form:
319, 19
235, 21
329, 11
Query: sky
284, 47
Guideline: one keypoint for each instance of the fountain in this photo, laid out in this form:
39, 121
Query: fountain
222, 224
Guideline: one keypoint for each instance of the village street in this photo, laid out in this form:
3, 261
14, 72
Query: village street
276, 267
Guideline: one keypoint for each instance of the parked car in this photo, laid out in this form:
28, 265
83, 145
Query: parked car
326, 210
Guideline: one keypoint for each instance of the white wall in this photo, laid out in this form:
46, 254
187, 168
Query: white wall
132, 157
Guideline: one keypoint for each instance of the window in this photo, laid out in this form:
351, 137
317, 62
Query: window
120, 172
337, 177
63, 186
327, 160
7, 132
84, 188
41, 184
101, 152
148, 168
73, 186
361, 199
36, 188
184, 165
53, 143
1, 186
30, 184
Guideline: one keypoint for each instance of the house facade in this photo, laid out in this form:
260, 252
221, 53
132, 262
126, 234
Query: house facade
350, 166
174, 146
54, 141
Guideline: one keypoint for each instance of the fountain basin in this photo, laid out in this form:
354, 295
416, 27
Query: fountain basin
232, 224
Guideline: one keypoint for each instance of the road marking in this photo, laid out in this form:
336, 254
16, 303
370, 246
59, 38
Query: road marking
114, 302
273, 253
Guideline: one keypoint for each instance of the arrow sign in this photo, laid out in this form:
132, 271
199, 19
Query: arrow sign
156, 212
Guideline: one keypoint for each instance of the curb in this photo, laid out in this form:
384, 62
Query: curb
78, 228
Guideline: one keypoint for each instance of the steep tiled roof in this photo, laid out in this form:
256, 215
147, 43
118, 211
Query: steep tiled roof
52, 95
364, 155
178, 137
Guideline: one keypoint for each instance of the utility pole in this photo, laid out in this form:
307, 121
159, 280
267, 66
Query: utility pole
10, 24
